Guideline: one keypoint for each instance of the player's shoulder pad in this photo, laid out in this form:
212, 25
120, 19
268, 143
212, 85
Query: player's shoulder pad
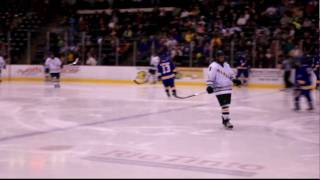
225, 64
212, 66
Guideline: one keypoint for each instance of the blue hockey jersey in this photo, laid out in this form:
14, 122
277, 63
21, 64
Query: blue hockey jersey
242, 63
303, 77
166, 67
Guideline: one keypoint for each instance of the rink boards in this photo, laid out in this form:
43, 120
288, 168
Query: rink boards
259, 78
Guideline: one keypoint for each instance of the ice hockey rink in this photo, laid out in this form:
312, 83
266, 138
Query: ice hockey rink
131, 131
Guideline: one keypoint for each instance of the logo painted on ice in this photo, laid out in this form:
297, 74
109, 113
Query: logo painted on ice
181, 162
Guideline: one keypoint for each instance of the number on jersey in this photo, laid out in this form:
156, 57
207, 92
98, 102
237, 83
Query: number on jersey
165, 68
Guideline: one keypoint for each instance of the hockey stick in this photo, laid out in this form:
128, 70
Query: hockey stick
192, 95
74, 62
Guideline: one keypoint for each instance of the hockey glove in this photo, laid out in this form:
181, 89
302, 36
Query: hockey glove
175, 72
210, 89
236, 82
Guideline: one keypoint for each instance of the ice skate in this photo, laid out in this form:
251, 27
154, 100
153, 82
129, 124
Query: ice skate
310, 107
227, 124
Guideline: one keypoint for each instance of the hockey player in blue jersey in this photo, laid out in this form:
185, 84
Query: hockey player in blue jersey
316, 69
242, 68
303, 84
167, 71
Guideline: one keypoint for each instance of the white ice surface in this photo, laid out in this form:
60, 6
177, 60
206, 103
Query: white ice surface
131, 131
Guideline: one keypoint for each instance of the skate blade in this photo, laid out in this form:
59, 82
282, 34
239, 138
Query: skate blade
228, 127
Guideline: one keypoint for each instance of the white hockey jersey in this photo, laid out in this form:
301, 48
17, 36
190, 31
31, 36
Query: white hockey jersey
54, 65
220, 78
154, 62
2, 63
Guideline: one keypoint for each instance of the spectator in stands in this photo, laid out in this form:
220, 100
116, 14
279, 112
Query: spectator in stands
188, 37
128, 32
242, 20
143, 49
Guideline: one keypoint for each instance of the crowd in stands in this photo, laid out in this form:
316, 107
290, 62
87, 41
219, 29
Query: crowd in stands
17, 18
266, 30
263, 30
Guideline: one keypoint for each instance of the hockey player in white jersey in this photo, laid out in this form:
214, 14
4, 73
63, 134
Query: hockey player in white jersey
154, 62
55, 66
46, 68
2, 66
220, 80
